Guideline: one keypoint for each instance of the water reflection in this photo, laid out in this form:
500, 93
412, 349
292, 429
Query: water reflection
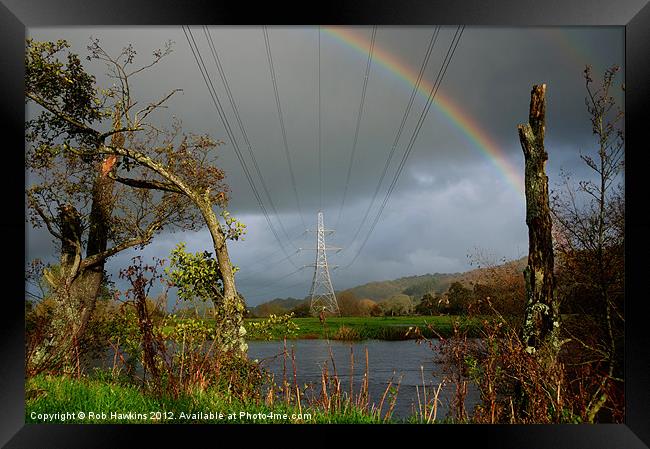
397, 359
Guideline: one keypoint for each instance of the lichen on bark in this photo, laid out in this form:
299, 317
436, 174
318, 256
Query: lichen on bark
541, 322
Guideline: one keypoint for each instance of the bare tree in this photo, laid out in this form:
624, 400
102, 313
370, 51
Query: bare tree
589, 217
541, 323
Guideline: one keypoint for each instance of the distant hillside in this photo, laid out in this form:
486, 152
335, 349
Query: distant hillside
410, 285
276, 306
469, 278
414, 286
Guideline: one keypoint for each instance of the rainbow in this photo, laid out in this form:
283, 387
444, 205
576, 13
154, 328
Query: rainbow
569, 44
449, 109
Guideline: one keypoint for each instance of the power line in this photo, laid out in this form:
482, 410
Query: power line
248, 274
407, 111
235, 109
320, 157
423, 114
416, 131
359, 115
269, 56
275, 292
260, 260
215, 99
270, 255
263, 289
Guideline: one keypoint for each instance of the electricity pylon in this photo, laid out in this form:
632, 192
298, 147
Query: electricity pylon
322, 297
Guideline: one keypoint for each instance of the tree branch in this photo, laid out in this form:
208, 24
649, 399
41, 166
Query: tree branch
149, 163
41, 213
107, 134
149, 109
50, 108
95, 259
146, 184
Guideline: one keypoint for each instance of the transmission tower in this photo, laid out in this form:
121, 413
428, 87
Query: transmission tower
322, 297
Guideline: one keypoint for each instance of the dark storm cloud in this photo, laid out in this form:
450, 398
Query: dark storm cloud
449, 199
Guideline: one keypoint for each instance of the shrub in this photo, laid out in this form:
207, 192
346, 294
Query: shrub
347, 334
282, 325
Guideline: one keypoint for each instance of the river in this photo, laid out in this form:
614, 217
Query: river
397, 359
406, 362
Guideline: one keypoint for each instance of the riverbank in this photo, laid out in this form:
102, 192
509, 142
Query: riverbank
61, 400
376, 328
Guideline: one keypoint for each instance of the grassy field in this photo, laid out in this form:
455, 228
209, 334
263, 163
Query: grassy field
380, 328
58, 400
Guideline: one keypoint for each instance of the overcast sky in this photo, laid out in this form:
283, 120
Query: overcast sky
450, 198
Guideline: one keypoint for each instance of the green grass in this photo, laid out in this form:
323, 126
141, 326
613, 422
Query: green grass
379, 328
50, 395
374, 328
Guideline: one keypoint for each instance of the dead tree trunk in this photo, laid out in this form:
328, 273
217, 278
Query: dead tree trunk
541, 316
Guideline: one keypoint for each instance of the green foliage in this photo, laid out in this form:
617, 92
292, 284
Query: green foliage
124, 332
414, 286
473, 367
95, 340
269, 308
397, 305
47, 318
196, 276
421, 288
233, 228
272, 327
188, 330
428, 305
279, 306
301, 310
459, 297
65, 87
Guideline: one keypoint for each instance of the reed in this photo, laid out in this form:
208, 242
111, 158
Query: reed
328, 395
427, 411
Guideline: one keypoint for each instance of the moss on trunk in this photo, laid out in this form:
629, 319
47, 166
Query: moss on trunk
541, 317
